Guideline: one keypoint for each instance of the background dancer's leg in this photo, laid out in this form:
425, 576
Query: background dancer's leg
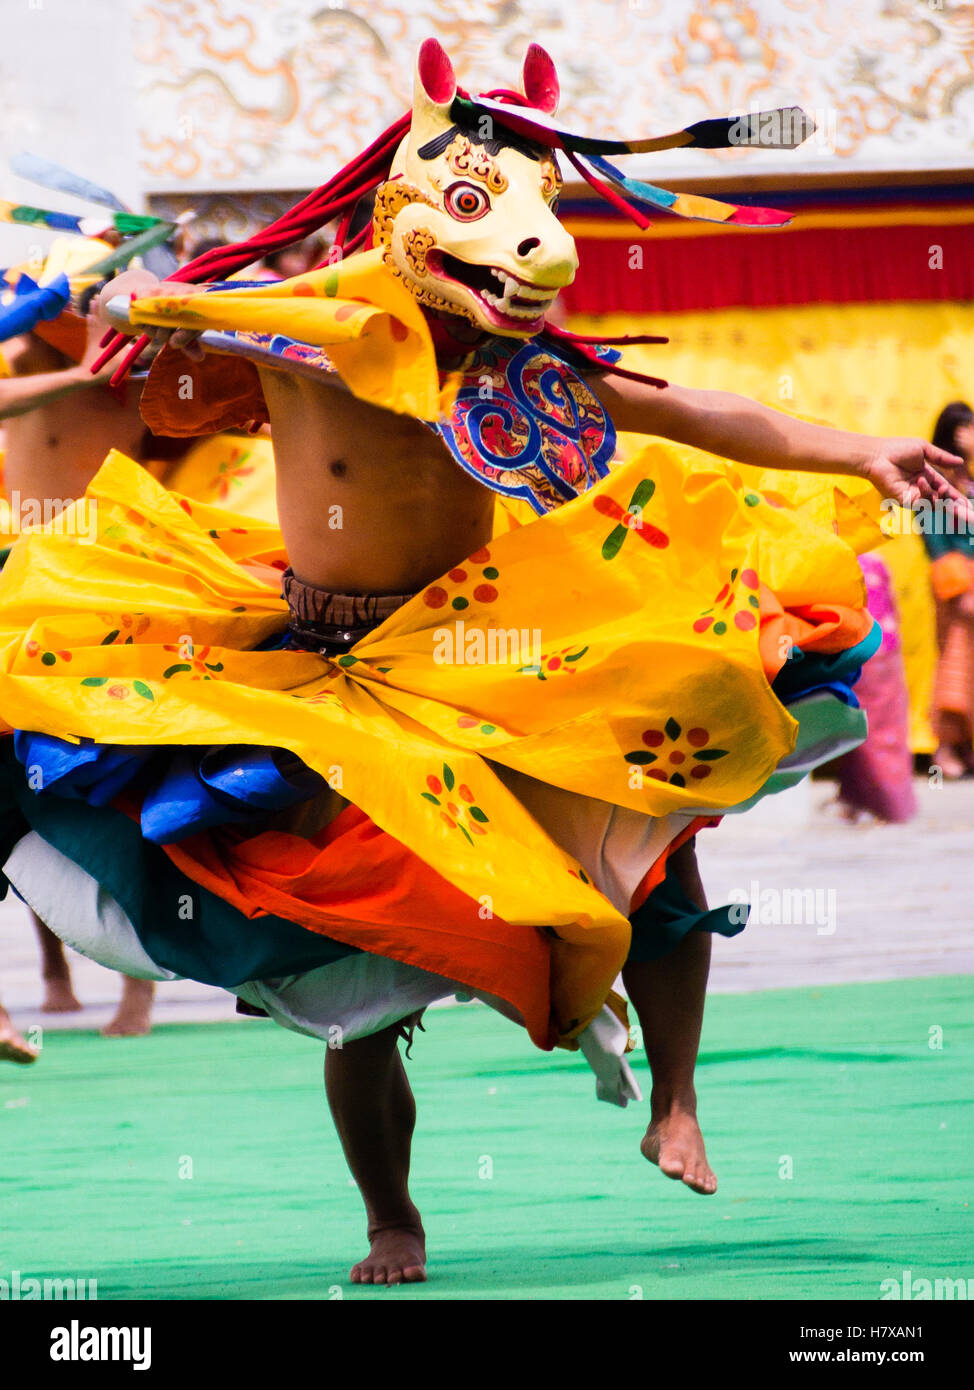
668, 995
133, 1015
374, 1112
59, 995
953, 756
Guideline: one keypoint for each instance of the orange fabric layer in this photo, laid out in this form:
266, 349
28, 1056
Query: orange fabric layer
353, 882
68, 333
225, 394
816, 627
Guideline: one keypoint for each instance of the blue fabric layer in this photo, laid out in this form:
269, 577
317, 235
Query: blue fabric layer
181, 926
91, 772
185, 790
805, 671
31, 303
202, 788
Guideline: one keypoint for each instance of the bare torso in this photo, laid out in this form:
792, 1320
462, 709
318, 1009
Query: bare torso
370, 502
56, 449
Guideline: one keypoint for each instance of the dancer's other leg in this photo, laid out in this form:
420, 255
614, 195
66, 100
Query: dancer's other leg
13, 1048
133, 1017
375, 1114
59, 995
668, 996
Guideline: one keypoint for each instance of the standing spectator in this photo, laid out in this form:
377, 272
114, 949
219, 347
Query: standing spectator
950, 545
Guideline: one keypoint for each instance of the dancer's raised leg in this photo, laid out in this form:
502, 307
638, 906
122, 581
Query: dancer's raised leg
668, 995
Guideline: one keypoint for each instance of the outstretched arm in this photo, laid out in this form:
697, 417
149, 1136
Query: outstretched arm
737, 428
19, 395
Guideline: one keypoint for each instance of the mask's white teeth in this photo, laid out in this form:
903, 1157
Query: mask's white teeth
513, 311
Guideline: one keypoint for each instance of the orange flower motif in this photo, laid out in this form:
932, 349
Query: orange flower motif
437, 597
456, 803
47, 658
469, 721
688, 754
231, 471
717, 617
322, 697
194, 661
132, 624
550, 662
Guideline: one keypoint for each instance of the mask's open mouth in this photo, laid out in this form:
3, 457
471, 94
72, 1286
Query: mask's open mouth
506, 301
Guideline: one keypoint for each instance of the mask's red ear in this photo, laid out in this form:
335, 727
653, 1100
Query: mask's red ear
434, 74
539, 81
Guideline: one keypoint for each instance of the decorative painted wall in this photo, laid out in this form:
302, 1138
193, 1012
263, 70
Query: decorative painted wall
259, 94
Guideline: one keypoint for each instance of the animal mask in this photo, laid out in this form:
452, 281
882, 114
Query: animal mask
468, 214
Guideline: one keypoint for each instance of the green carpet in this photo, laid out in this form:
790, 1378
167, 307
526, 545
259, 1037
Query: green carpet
530, 1189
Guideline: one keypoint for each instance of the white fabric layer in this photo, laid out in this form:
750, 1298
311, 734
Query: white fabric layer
351, 998
615, 846
603, 1044
359, 994
78, 909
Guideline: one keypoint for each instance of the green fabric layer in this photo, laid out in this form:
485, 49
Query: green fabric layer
530, 1189
668, 914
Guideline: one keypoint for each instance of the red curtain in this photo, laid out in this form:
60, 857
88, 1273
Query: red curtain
837, 265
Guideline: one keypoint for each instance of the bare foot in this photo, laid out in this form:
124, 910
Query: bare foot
133, 1015
674, 1143
397, 1256
59, 996
13, 1048
952, 766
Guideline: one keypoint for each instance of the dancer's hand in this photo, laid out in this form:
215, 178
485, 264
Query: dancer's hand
95, 330
908, 472
143, 285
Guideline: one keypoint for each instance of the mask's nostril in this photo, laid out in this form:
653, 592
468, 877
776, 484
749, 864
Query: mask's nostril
526, 247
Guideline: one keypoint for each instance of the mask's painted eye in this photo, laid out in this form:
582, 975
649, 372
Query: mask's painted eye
466, 202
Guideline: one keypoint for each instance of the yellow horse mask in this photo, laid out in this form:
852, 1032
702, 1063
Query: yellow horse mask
469, 220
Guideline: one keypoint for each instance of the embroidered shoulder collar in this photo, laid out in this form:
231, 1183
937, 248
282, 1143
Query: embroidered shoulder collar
527, 425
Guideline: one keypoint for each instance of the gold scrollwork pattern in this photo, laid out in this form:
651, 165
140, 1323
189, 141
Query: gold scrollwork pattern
473, 162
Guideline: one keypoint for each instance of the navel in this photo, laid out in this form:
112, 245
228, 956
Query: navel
338, 468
